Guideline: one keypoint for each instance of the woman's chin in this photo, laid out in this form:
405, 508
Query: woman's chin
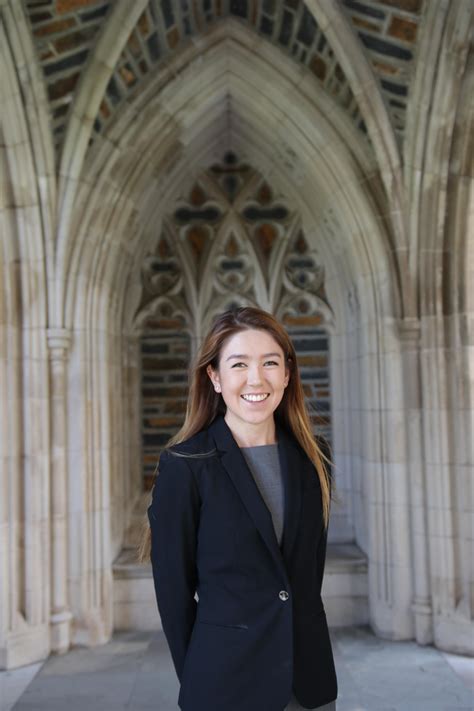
256, 416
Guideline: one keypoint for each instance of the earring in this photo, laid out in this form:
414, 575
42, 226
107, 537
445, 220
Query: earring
217, 388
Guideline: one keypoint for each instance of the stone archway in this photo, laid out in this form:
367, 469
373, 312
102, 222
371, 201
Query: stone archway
87, 201
121, 209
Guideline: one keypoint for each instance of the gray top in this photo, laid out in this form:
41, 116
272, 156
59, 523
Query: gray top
264, 463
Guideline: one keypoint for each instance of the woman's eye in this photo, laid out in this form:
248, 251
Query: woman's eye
244, 365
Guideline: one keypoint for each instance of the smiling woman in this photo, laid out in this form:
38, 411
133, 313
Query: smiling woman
239, 517
252, 377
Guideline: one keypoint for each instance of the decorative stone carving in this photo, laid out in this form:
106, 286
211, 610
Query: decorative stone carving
162, 295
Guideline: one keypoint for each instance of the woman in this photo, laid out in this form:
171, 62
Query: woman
238, 520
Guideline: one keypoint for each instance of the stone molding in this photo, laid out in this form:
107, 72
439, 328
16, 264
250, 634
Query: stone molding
59, 342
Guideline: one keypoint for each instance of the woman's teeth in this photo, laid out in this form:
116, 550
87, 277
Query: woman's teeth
255, 398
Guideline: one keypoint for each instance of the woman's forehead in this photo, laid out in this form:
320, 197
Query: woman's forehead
251, 343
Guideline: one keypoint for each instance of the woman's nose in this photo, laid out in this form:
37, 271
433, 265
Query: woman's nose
254, 376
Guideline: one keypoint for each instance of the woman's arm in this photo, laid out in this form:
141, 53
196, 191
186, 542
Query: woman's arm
321, 558
174, 519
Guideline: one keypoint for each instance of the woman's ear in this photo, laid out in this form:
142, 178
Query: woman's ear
214, 376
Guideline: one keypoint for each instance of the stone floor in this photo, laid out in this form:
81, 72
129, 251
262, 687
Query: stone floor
134, 672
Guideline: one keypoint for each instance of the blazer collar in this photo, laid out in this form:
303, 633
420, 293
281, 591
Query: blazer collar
291, 465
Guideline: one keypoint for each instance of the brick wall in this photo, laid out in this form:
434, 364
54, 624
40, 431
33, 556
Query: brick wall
165, 363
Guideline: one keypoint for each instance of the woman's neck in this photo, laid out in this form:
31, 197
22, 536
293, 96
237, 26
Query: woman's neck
248, 435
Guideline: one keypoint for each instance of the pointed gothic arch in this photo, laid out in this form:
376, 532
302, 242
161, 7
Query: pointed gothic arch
155, 148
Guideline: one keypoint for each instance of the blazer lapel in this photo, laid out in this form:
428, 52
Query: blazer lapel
236, 467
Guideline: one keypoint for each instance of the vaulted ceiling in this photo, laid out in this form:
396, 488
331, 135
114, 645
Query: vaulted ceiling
66, 31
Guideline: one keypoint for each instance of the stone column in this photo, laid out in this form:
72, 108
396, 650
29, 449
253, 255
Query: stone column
59, 340
410, 330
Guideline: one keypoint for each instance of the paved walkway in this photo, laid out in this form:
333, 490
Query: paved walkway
134, 672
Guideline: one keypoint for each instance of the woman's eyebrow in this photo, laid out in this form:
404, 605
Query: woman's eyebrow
265, 355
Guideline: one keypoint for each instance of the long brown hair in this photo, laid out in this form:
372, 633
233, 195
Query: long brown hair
204, 403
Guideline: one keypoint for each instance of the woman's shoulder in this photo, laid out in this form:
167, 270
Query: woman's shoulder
199, 445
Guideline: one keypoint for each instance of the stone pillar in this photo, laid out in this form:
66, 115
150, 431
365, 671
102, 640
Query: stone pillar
132, 408
59, 340
410, 330
384, 460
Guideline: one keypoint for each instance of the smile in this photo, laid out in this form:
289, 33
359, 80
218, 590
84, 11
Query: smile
255, 398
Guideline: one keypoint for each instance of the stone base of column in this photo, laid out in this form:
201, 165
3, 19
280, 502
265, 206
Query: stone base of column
25, 647
423, 621
391, 622
60, 631
94, 629
454, 633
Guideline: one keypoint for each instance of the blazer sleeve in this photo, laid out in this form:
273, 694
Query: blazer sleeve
321, 557
174, 518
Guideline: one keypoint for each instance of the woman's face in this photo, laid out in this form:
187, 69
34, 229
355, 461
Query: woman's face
251, 376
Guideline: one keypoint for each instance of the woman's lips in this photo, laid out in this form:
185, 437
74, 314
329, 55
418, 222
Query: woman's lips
255, 398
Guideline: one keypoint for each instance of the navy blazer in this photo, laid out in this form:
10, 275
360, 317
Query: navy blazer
258, 629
